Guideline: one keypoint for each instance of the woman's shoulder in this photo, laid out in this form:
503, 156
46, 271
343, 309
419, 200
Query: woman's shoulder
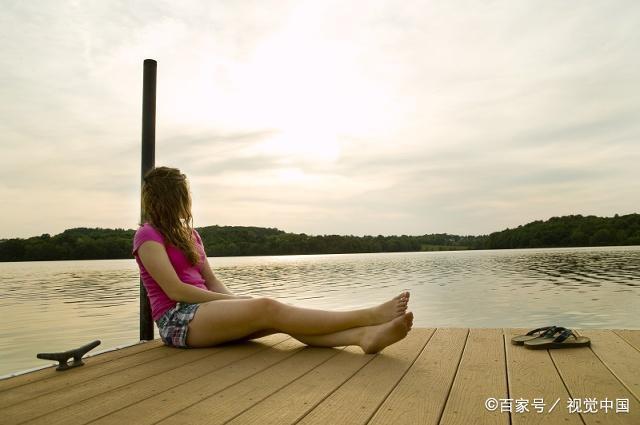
146, 232
197, 235
147, 228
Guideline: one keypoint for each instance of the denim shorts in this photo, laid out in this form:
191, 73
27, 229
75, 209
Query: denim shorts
174, 324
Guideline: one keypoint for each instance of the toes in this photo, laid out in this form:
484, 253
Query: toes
401, 303
409, 316
404, 295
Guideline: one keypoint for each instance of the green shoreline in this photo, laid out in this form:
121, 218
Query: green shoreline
223, 241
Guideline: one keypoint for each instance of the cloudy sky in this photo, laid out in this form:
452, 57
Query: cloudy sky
332, 117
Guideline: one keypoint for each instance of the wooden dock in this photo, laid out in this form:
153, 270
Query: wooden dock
434, 376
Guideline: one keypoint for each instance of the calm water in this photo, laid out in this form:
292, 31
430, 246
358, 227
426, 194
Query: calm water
50, 306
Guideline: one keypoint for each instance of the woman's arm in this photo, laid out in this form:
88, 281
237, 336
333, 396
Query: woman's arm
154, 257
211, 280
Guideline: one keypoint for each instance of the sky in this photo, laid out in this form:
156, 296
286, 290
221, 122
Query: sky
333, 117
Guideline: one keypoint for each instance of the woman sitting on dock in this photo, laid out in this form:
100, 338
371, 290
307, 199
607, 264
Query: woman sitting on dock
192, 308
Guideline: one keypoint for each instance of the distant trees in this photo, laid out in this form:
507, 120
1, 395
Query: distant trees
569, 231
73, 244
238, 241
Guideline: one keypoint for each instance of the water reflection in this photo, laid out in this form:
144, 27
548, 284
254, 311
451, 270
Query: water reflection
57, 305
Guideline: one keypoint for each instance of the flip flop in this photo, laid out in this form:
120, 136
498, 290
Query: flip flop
566, 339
536, 333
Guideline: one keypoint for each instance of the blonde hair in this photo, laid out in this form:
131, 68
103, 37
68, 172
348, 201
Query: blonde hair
166, 205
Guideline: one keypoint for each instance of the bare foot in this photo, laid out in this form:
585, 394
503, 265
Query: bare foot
389, 310
375, 338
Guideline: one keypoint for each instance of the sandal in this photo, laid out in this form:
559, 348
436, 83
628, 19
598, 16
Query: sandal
536, 333
566, 339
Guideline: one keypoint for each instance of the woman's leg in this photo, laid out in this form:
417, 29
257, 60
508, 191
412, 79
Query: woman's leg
370, 338
220, 321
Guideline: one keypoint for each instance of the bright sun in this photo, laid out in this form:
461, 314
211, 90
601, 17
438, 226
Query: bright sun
315, 96
302, 145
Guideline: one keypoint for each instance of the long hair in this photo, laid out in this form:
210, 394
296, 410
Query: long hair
166, 205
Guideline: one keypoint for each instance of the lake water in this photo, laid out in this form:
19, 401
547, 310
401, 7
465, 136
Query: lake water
55, 306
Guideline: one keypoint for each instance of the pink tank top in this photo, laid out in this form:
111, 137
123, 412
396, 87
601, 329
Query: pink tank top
187, 273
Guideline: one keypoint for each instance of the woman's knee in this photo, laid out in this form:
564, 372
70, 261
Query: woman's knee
269, 308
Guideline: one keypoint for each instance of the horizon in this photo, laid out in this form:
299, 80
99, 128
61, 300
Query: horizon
326, 234
323, 118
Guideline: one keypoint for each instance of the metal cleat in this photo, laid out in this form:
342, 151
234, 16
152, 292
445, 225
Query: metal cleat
64, 356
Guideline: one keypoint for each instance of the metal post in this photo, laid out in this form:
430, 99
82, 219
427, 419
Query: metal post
148, 162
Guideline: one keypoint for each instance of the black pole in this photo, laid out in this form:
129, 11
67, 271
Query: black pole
148, 162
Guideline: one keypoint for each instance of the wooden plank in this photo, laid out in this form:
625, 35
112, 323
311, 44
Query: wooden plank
50, 372
618, 356
289, 404
85, 374
585, 376
481, 375
533, 376
420, 396
123, 396
274, 387
632, 337
359, 397
42, 405
225, 405
162, 405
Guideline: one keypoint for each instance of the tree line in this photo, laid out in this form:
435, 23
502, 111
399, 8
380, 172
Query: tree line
568, 231
235, 241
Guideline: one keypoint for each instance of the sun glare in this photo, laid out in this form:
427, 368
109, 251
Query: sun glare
291, 175
302, 145
312, 91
